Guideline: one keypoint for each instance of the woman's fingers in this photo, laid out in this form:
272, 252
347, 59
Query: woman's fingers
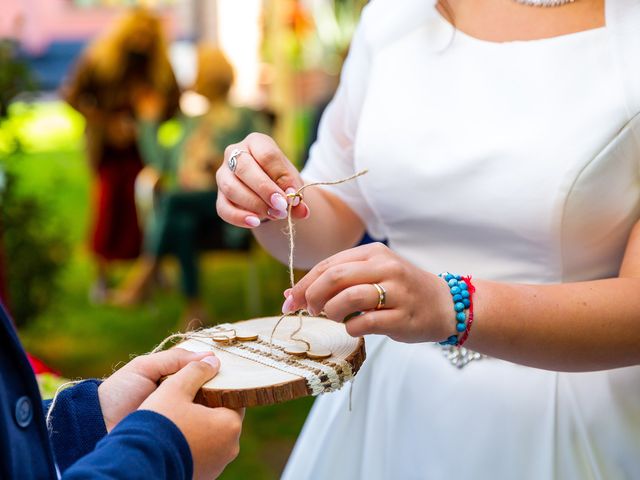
235, 215
357, 254
240, 195
380, 322
301, 211
264, 170
336, 279
358, 298
300, 208
273, 162
249, 172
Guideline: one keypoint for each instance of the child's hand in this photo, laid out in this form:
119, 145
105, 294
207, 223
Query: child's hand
212, 433
124, 391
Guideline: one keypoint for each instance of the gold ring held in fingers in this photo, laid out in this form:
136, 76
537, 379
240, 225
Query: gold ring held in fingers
232, 163
295, 195
382, 295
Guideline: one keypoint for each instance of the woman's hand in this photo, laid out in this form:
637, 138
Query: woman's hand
124, 391
258, 187
418, 305
213, 434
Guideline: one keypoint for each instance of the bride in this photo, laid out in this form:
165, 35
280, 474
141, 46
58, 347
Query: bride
502, 139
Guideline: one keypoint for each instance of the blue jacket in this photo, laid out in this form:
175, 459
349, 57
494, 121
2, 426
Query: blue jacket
144, 445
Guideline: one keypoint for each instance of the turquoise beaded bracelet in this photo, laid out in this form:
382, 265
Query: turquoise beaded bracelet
461, 296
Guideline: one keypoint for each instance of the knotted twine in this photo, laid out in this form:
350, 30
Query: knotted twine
290, 232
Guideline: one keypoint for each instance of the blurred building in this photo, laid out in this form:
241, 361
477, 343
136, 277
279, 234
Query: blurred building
53, 32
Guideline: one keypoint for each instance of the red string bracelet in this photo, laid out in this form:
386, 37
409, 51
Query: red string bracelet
471, 289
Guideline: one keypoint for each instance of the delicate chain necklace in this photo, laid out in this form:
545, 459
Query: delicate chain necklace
545, 3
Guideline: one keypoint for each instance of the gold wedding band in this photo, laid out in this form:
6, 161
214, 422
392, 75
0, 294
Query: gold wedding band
382, 295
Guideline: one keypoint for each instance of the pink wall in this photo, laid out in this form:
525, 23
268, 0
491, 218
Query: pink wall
39, 22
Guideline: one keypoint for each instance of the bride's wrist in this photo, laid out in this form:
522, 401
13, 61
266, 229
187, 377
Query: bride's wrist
461, 290
444, 325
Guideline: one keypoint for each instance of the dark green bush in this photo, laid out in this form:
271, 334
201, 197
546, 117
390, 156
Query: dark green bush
15, 75
35, 250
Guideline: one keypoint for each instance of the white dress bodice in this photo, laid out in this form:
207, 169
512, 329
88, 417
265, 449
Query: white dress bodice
489, 146
516, 162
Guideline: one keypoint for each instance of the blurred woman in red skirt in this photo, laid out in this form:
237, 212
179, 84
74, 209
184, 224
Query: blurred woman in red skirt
127, 62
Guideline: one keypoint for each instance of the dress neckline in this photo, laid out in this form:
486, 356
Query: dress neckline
565, 37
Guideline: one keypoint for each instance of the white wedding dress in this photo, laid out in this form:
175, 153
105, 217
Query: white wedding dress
517, 162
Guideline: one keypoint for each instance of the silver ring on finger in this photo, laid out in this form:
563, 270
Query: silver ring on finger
232, 163
382, 296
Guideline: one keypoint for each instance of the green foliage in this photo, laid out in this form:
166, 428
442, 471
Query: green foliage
34, 253
15, 75
40, 127
36, 245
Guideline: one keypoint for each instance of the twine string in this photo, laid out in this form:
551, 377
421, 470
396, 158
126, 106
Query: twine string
290, 232
196, 335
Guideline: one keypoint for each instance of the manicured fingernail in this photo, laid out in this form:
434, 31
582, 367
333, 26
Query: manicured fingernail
277, 213
288, 303
252, 221
212, 360
278, 202
287, 292
295, 201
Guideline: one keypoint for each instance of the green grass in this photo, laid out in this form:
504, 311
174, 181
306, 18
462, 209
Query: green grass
85, 340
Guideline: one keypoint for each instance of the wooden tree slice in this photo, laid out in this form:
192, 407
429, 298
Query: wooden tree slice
242, 382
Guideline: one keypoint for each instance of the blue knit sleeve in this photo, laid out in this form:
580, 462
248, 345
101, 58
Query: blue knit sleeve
144, 445
76, 423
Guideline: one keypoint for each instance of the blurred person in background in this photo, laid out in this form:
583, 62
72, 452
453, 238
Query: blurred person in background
129, 59
184, 220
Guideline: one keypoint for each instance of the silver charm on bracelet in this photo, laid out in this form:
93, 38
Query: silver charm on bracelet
460, 357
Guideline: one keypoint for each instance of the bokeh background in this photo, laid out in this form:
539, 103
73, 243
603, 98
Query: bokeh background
286, 55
